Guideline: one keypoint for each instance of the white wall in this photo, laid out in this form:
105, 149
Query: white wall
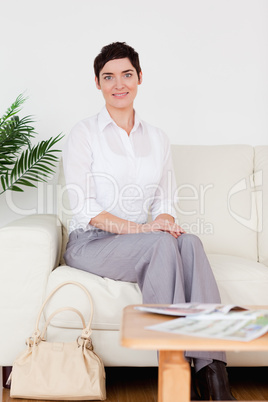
204, 63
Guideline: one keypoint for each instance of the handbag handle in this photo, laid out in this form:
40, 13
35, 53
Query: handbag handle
86, 331
59, 310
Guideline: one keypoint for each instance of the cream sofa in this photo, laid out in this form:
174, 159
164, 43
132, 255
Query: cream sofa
222, 196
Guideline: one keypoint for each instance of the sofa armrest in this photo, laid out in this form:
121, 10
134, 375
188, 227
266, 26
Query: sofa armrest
31, 243
29, 250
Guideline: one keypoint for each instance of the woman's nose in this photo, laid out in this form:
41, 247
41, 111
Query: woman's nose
119, 83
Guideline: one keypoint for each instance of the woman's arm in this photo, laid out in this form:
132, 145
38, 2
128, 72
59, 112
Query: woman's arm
111, 223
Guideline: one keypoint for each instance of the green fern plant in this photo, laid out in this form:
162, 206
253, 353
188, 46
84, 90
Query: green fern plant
22, 164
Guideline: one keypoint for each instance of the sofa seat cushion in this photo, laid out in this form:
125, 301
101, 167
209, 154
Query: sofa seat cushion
109, 298
240, 281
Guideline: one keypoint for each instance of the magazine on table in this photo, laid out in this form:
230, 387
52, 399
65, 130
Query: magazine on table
245, 326
187, 309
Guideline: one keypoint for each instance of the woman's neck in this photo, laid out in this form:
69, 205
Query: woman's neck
124, 118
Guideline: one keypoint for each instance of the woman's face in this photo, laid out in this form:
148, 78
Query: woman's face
119, 83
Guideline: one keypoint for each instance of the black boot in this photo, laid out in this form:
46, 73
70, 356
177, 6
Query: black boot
213, 382
194, 393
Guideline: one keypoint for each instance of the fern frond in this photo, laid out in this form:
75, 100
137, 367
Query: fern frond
15, 134
13, 109
20, 163
17, 129
34, 165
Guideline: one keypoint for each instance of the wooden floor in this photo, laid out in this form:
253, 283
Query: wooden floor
140, 384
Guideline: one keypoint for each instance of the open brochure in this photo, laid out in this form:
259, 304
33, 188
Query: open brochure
245, 326
187, 309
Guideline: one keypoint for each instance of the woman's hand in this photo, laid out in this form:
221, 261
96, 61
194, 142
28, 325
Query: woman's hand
162, 225
113, 224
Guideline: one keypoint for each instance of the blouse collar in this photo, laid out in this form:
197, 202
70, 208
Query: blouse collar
104, 119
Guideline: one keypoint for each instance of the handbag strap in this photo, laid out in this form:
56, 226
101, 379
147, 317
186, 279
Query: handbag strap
59, 310
86, 331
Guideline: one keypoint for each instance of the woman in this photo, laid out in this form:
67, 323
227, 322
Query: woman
117, 168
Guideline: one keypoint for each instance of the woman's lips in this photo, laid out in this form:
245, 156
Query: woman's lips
121, 95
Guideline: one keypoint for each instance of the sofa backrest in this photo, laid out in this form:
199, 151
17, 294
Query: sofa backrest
261, 183
215, 198
63, 209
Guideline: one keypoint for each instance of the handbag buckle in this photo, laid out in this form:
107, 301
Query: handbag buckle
86, 333
29, 342
87, 343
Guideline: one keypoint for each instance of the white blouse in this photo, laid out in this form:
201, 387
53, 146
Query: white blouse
107, 170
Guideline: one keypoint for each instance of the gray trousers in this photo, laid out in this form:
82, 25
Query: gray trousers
167, 270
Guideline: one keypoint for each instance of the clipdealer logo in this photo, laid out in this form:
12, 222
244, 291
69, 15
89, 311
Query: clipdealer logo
255, 221
189, 201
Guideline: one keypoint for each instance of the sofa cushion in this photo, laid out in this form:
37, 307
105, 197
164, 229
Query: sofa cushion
109, 298
261, 183
64, 211
240, 281
214, 197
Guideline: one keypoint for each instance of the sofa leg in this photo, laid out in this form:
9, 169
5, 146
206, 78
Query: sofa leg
6, 370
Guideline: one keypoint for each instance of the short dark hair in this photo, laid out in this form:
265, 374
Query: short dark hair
116, 50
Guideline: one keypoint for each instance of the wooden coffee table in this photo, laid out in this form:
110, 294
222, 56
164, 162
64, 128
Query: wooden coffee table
174, 371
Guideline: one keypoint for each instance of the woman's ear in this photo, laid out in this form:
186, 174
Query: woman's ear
140, 78
97, 83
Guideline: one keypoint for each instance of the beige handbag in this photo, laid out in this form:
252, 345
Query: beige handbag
59, 370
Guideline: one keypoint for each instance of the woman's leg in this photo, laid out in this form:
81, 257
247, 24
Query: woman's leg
200, 287
150, 259
167, 270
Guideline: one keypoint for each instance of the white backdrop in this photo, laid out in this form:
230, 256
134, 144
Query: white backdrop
204, 62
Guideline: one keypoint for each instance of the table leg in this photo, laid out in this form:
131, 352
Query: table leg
174, 379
